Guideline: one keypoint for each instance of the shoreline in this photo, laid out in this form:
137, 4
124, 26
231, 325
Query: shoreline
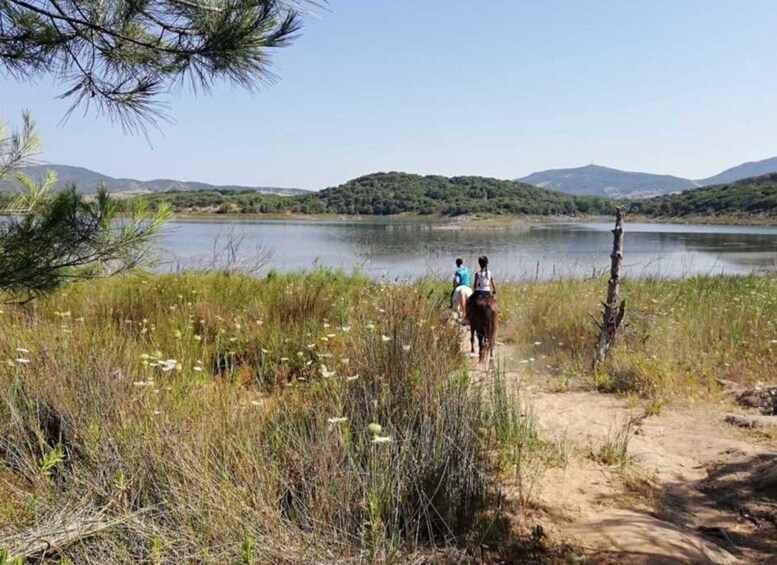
478, 221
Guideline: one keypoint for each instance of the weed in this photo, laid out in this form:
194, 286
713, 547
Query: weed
653, 407
240, 413
615, 449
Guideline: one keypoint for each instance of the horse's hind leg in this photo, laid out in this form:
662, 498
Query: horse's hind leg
472, 340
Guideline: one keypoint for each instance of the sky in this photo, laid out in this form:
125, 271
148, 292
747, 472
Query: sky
500, 89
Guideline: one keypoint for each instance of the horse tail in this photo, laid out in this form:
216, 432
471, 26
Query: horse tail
487, 328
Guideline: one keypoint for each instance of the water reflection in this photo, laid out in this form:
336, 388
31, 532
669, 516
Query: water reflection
412, 250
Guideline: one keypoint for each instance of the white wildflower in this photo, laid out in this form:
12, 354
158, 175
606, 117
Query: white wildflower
22, 350
382, 439
385, 337
22, 361
339, 420
326, 373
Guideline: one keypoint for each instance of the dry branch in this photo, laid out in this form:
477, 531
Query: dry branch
613, 310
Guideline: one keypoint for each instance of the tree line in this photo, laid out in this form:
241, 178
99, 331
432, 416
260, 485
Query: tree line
384, 194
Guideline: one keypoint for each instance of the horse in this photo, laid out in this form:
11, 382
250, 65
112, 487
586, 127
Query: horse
459, 300
483, 314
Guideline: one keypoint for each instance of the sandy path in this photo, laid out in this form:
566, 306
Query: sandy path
686, 496
668, 505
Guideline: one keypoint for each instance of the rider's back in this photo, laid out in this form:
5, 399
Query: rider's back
483, 281
463, 275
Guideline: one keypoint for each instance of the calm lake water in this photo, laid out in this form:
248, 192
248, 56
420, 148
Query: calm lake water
398, 251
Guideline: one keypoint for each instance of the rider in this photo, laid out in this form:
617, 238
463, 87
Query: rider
484, 280
484, 285
460, 277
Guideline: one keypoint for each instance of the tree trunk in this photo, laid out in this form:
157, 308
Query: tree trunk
613, 312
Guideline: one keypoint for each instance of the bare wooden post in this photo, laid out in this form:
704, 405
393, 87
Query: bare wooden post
612, 314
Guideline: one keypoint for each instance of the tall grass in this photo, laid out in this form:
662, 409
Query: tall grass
680, 337
219, 418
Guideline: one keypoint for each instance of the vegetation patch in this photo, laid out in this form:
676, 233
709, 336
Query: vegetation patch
342, 422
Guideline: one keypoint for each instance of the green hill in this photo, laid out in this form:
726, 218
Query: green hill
385, 194
398, 193
753, 196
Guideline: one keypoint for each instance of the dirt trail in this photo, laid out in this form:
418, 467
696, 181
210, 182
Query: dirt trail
667, 505
686, 495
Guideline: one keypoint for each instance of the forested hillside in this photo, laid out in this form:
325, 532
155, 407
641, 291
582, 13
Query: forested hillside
401, 193
398, 193
749, 196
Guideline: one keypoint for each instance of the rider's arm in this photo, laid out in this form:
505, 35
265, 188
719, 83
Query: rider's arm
493, 285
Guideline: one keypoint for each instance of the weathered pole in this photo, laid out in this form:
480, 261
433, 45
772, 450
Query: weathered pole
613, 311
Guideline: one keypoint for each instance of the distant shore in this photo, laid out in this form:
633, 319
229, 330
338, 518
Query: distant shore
482, 221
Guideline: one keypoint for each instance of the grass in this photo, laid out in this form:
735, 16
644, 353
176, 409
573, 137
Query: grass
615, 448
319, 416
299, 418
680, 335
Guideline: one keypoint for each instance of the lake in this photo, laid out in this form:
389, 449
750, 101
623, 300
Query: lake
403, 250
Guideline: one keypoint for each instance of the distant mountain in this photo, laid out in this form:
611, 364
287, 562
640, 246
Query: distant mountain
594, 180
87, 180
743, 171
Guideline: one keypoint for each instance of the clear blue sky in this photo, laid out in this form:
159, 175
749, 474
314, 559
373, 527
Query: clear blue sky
499, 88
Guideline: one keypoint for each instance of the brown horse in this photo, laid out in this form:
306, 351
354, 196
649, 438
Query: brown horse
483, 314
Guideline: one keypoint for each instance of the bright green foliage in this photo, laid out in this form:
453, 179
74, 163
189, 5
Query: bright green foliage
47, 239
17, 147
121, 55
63, 237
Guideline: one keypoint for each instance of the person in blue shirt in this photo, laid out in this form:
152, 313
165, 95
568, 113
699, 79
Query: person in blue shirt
460, 277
